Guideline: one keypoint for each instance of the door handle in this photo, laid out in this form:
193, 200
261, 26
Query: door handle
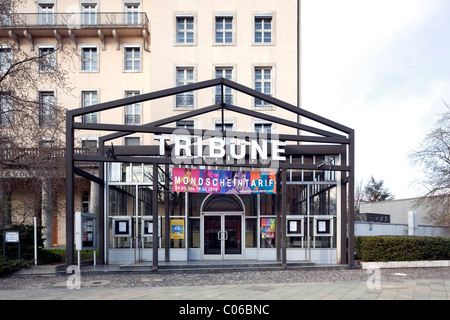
219, 235
226, 235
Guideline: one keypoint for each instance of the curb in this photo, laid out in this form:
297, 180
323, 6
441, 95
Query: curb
405, 264
47, 269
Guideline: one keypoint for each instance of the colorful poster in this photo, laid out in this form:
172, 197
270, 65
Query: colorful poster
267, 228
177, 229
223, 181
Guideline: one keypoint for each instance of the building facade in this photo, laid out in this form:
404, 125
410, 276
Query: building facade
123, 49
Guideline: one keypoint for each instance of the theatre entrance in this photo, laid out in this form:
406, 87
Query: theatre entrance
222, 227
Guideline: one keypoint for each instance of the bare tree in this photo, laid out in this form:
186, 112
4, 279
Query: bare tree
32, 124
433, 156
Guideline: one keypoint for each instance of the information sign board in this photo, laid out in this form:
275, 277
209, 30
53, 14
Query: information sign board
85, 231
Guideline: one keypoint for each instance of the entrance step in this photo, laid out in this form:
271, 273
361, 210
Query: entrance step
212, 266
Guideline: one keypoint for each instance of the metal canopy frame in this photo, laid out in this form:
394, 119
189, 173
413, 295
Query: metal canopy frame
325, 142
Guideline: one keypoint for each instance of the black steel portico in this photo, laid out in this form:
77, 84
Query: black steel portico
337, 140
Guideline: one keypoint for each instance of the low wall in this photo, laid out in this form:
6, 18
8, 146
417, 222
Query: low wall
405, 264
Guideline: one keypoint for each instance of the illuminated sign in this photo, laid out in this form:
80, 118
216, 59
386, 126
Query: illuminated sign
222, 181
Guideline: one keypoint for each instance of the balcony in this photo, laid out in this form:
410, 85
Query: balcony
73, 25
14, 161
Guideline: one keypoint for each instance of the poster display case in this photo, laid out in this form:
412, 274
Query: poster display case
86, 231
294, 226
323, 226
122, 227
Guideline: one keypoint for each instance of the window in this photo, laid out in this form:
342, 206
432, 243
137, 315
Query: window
89, 98
226, 73
85, 201
6, 14
89, 59
89, 13
5, 59
132, 141
132, 13
132, 59
188, 124
263, 29
89, 146
224, 29
6, 114
132, 111
47, 61
47, 108
263, 84
227, 126
185, 30
263, 127
185, 76
46, 13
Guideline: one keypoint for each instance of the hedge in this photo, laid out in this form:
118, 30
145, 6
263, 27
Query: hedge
401, 248
9, 263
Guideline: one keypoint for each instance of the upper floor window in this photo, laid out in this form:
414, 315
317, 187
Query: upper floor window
132, 141
264, 127
132, 13
89, 13
186, 124
132, 59
224, 29
5, 59
226, 73
6, 110
6, 14
89, 59
263, 84
89, 98
47, 61
185, 76
47, 108
46, 13
132, 111
263, 29
89, 145
185, 30
226, 126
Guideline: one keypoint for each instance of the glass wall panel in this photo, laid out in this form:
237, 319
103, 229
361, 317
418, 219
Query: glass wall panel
122, 200
194, 232
251, 232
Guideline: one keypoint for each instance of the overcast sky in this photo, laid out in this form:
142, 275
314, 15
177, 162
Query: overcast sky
381, 67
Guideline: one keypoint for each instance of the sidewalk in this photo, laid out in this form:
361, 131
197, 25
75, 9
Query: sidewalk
354, 290
277, 285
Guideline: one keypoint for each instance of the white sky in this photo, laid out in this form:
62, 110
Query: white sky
381, 67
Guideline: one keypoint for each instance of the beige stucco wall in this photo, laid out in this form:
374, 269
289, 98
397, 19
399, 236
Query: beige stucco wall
243, 55
158, 65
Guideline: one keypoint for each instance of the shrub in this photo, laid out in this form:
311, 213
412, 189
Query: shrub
10, 263
402, 248
9, 266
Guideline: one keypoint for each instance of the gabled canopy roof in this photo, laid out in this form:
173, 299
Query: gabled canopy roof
320, 135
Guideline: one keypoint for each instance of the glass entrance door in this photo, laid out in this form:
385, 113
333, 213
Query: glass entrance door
222, 236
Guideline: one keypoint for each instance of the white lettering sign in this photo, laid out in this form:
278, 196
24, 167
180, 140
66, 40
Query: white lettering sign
216, 149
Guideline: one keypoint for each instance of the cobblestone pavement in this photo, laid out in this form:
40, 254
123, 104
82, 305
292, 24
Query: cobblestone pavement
348, 284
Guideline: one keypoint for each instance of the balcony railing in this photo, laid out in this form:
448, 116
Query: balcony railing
21, 155
78, 20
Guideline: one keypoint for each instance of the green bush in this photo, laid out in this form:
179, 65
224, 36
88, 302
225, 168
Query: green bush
401, 248
9, 262
8, 266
